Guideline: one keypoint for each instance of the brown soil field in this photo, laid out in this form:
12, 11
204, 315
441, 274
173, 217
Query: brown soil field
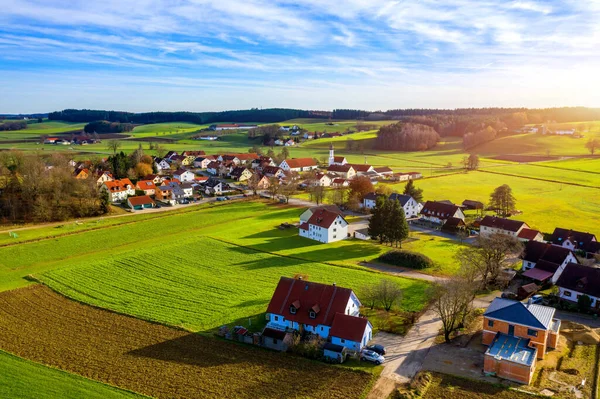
40, 325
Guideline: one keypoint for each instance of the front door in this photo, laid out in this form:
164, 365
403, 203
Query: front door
511, 329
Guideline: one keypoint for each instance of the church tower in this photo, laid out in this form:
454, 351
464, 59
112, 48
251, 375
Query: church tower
331, 156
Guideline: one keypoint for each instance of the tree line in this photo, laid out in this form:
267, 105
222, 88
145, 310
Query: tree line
13, 125
36, 189
406, 137
268, 115
474, 139
107, 127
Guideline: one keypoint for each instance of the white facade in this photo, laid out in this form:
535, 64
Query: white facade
353, 345
486, 231
569, 132
284, 165
412, 208
162, 165
336, 232
439, 220
186, 176
573, 296
569, 259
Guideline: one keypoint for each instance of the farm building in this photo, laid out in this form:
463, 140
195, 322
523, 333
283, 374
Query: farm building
472, 205
329, 311
335, 352
437, 212
362, 234
345, 171
577, 280
140, 202
298, 165
275, 339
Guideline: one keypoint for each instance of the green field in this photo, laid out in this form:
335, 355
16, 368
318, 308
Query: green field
165, 129
22, 379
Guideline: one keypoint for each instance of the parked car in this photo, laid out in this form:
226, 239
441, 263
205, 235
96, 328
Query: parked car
157, 206
221, 198
509, 295
227, 198
537, 299
185, 201
380, 349
370, 356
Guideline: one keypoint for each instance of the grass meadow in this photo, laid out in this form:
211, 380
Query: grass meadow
23, 379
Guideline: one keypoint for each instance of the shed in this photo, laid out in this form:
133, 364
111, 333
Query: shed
275, 339
140, 202
362, 234
527, 290
335, 352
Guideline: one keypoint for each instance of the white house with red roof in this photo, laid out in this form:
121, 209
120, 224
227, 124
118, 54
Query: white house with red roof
184, 175
298, 165
325, 226
118, 190
329, 311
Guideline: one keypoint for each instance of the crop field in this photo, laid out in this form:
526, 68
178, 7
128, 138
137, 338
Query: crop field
542, 172
23, 379
165, 129
200, 283
42, 326
450, 387
544, 205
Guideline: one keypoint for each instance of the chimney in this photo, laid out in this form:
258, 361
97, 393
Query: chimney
299, 277
334, 284
529, 301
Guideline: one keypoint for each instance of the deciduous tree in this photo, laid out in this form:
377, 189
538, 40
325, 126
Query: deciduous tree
502, 200
360, 186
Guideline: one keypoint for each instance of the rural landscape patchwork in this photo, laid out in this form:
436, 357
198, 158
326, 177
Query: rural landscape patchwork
371, 200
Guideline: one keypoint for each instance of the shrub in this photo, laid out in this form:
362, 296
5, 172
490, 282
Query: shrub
413, 260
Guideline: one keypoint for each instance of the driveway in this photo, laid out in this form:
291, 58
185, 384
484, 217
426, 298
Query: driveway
402, 272
405, 355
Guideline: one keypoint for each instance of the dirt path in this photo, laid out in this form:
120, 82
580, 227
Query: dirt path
402, 272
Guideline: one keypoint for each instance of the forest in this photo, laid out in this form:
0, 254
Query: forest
406, 137
13, 125
107, 127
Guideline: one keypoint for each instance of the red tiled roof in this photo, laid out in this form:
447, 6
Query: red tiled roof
383, 169
339, 168
271, 169
323, 218
300, 162
146, 185
338, 159
338, 180
539, 275
528, 234
439, 209
360, 167
140, 200
194, 153
304, 226
348, 327
330, 298
118, 185
502, 224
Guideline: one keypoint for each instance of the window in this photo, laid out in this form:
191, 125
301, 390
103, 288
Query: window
312, 315
292, 310
490, 323
532, 333
567, 293
276, 318
275, 341
321, 328
343, 341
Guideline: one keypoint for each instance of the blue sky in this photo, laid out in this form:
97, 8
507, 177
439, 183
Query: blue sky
204, 55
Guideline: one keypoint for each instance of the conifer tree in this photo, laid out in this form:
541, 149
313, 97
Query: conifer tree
397, 225
377, 220
416, 193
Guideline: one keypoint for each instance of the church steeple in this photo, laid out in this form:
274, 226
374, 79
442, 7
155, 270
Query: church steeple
331, 156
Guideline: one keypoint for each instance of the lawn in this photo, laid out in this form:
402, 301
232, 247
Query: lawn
165, 129
42, 326
545, 205
450, 387
23, 379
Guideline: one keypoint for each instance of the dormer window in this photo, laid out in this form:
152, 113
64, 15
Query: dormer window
293, 310
312, 315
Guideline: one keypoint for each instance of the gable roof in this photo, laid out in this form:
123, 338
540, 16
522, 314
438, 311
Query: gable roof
384, 169
181, 171
348, 327
584, 279
323, 218
238, 171
338, 159
536, 251
402, 198
331, 299
473, 204
528, 234
360, 167
530, 315
140, 200
439, 209
373, 196
146, 185
271, 169
193, 153
117, 185
339, 168
300, 162
581, 240
502, 223
538, 274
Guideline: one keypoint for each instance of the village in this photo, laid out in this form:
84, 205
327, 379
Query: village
518, 326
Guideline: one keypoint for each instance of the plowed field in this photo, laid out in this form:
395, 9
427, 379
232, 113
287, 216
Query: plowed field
40, 325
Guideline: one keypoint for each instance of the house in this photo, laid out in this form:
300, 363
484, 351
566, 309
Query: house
171, 154
530, 235
325, 226
307, 214
247, 157
577, 280
118, 190
202, 162
401, 176
438, 212
184, 175
410, 206
414, 175
384, 171
472, 205
370, 200
271, 171
333, 160
575, 240
216, 187
298, 165
329, 311
156, 179
147, 186
263, 183
278, 142
177, 160
289, 143
213, 167
140, 202
161, 164
163, 193
322, 180
517, 334
81, 173
262, 162
103, 176
340, 182
309, 136
495, 225
545, 262
346, 171
240, 173
363, 169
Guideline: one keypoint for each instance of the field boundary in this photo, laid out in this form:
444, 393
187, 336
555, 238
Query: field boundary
539, 179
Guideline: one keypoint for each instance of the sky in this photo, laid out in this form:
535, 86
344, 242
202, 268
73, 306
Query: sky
211, 55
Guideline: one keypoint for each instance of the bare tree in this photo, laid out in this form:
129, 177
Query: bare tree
273, 188
451, 299
288, 189
489, 256
592, 145
253, 183
388, 294
113, 145
368, 296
